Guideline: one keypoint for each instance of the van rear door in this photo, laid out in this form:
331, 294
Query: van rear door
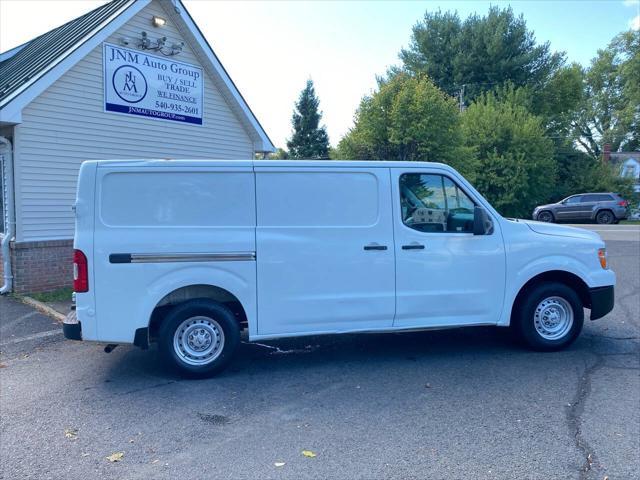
324, 250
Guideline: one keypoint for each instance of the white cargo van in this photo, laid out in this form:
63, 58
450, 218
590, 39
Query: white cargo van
188, 253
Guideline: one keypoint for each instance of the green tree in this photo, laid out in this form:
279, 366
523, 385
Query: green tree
407, 118
279, 154
610, 112
514, 166
479, 52
583, 173
309, 139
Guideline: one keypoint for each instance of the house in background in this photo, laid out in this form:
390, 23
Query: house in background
130, 79
629, 164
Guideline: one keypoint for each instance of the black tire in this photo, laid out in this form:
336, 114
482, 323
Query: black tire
546, 216
200, 316
605, 217
524, 317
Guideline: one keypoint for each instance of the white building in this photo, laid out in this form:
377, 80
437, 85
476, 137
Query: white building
131, 79
629, 164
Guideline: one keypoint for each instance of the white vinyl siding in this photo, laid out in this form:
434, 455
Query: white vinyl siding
67, 124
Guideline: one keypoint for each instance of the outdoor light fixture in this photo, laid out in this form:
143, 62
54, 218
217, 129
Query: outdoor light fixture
145, 43
159, 45
158, 21
176, 48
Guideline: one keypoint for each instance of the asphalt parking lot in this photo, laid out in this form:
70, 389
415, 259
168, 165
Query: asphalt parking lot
459, 404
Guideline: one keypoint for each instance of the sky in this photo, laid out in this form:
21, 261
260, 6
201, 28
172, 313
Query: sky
271, 48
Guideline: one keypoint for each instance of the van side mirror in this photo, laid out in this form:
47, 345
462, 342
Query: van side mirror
482, 224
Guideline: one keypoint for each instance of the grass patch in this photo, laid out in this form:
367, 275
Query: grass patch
61, 295
629, 222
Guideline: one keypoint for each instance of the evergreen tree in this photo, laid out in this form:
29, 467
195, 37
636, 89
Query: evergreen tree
309, 139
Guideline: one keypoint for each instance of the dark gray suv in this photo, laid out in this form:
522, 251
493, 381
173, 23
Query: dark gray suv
595, 207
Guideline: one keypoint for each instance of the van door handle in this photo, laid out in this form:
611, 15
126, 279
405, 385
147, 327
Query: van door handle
375, 246
413, 246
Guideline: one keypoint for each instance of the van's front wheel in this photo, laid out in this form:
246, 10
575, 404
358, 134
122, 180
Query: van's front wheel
199, 337
549, 317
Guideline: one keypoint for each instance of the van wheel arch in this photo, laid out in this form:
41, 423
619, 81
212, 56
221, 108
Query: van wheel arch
192, 292
560, 276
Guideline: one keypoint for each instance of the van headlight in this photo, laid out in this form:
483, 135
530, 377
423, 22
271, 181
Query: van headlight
602, 257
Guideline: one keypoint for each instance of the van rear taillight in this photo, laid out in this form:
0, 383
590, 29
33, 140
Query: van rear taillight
80, 272
623, 203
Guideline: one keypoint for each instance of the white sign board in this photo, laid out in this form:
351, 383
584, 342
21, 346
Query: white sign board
137, 83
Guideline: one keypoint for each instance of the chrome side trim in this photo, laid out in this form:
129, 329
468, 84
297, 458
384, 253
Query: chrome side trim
181, 257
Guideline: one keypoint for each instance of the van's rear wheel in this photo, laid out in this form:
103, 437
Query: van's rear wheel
550, 317
199, 337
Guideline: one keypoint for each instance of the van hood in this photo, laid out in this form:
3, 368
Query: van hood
561, 230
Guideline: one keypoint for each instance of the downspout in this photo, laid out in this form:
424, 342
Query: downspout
6, 150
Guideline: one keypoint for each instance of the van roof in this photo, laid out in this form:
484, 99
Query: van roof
268, 163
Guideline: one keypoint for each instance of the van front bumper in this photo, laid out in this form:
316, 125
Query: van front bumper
71, 327
602, 301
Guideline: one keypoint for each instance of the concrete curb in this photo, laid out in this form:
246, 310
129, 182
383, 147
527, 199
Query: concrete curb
42, 307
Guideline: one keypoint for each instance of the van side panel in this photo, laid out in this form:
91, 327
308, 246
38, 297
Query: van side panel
162, 228
325, 250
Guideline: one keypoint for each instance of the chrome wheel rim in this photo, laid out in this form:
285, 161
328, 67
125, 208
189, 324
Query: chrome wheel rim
553, 318
198, 340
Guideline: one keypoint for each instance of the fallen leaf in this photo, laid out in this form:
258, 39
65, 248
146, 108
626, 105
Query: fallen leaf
155, 461
2, 365
279, 464
71, 433
115, 457
308, 453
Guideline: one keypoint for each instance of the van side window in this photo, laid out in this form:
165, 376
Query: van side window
434, 203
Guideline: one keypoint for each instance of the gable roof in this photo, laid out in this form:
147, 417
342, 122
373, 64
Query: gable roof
39, 53
27, 70
42, 52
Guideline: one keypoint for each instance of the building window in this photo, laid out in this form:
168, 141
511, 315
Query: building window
629, 171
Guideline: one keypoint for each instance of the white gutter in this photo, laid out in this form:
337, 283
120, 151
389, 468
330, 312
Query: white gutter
6, 150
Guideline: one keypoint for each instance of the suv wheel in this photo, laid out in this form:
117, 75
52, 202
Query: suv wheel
545, 216
550, 317
605, 217
198, 337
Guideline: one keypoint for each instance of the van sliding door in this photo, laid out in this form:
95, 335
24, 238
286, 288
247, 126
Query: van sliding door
325, 259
